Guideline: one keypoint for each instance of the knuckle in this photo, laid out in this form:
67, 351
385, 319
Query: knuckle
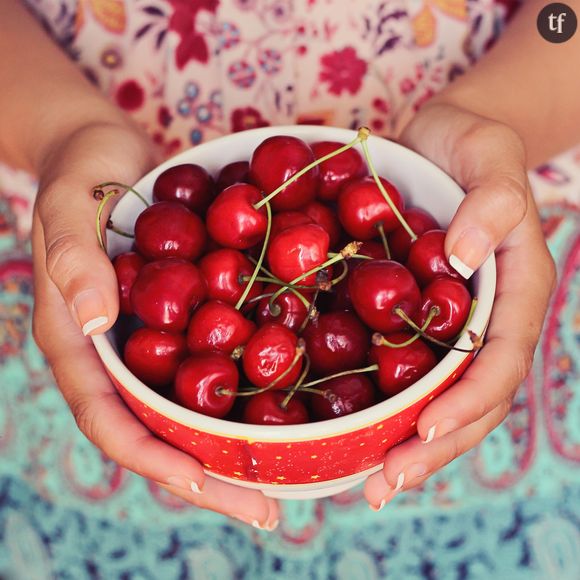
61, 252
523, 361
81, 409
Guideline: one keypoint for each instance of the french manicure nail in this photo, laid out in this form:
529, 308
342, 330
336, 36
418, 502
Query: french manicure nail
400, 481
470, 251
430, 434
90, 311
380, 507
184, 483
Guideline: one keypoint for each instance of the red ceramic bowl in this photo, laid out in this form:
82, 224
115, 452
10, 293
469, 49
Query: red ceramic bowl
317, 459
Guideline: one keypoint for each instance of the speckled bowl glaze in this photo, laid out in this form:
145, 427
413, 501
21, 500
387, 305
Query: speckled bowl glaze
317, 459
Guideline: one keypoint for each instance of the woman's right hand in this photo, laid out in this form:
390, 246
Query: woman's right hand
76, 291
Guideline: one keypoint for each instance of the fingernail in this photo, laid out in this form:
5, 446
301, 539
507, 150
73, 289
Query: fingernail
430, 434
90, 311
400, 481
446, 426
380, 507
412, 472
184, 483
470, 251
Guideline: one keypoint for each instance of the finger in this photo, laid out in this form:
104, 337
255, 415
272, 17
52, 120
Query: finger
246, 505
412, 462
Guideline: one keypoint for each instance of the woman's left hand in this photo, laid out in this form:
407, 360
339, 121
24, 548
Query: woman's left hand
488, 161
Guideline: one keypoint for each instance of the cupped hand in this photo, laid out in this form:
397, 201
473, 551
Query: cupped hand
488, 160
76, 295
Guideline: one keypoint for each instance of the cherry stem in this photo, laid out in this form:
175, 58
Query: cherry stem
355, 257
327, 393
112, 227
382, 189
300, 380
278, 282
468, 321
312, 313
104, 199
361, 137
380, 340
342, 374
399, 312
342, 275
384, 240
124, 186
259, 262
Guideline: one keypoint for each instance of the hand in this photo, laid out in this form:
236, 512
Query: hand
75, 291
488, 160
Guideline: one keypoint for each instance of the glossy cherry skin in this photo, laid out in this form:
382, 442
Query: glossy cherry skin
127, 266
326, 218
427, 259
268, 354
167, 229
188, 184
377, 287
166, 292
275, 161
453, 300
352, 393
223, 271
420, 221
399, 368
362, 207
236, 172
218, 327
286, 219
335, 342
199, 380
265, 409
292, 311
233, 222
297, 250
373, 250
153, 356
336, 171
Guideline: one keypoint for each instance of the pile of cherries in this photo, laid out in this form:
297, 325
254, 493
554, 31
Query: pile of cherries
293, 287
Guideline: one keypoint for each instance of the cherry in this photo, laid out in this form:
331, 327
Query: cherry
167, 229
202, 384
275, 161
266, 409
351, 393
297, 250
286, 219
292, 311
127, 266
453, 300
323, 216
153, 355
336, 171
336, 342
373, 250
218, 327
166, 292
223, 271
377, 288
401, 367
420, 221
362, 208
188, 184
427, 259
269, 353
233, 222
236, 172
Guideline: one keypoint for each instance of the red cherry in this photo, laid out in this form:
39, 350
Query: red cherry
188, 184
218, 327
373, 250
292, 311
323, 216
153, 356
454, 303
420, 221
352, 393
362, 207
127, 266
232, 220
275, 161
287, 219
169, 230
236, 172
200, 381
265, 409
297, 250
268, 354
336, 342
223, 271
336, 171
377, 288
166, 292
427, 259
401, 367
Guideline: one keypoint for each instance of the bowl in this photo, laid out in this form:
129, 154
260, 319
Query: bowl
316, 459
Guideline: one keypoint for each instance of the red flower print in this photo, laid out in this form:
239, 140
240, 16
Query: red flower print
343, 70
130, 95
407, 86
247, 118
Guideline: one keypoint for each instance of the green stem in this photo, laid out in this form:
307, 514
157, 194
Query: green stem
380, 340
468, 321
311, 314
342, 374
102, 203
111, 227
124, 186
300, 380
384, 240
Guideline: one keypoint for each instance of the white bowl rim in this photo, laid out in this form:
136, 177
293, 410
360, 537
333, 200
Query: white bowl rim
332, 427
